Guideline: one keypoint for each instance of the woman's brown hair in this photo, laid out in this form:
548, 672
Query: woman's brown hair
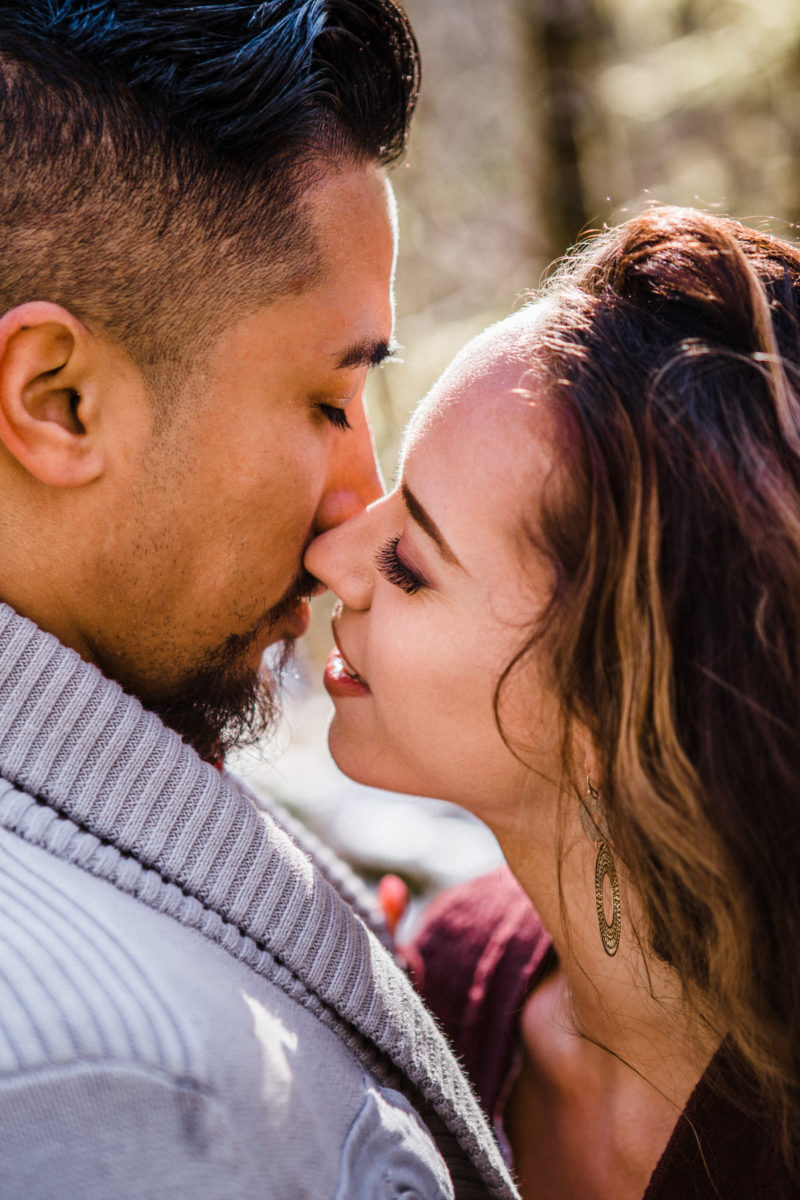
672, 356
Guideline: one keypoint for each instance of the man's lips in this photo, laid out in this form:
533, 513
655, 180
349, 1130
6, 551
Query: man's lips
291, 616
297, 619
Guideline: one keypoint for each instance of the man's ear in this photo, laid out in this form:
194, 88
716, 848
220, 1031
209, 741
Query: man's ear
49, 392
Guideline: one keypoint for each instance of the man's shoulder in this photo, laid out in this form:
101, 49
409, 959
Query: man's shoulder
114, 1012
93, 972
78, 983
132, 964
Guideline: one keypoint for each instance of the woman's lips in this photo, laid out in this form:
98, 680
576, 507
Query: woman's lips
340, 678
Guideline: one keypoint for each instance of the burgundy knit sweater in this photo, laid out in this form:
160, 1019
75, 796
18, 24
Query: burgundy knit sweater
481, 952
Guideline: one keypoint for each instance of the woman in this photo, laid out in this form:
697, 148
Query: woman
578, 615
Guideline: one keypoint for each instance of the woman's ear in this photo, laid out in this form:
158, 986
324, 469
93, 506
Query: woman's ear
588, 764
49, 394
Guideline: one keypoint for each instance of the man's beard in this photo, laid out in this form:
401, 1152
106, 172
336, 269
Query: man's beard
223, 703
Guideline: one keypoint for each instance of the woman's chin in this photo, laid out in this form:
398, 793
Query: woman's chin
351, 766
347, 763
348, 754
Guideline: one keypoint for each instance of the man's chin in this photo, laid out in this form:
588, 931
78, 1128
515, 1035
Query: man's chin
230, 699
224, 703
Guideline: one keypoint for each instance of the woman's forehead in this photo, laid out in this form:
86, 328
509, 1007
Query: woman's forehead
488, 382
498, 352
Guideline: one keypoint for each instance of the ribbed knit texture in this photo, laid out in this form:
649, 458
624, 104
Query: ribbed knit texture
86, 999
111, 789
331, 867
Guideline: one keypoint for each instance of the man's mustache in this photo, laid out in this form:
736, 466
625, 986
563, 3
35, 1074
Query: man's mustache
303, 587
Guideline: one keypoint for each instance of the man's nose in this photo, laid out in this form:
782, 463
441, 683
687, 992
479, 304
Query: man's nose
353, 480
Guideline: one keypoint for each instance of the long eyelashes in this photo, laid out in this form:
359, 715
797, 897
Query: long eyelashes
395, 570
336, 416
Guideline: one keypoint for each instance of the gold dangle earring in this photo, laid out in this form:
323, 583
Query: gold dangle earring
604, 868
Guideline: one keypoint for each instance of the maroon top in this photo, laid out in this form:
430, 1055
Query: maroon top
480, 953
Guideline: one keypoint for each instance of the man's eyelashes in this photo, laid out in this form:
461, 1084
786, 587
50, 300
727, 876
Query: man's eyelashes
336, 416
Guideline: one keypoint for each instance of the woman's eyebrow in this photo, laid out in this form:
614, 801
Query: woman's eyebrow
427, 523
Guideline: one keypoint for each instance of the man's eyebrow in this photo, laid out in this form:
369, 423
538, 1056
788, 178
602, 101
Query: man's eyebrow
367, 353
427, 523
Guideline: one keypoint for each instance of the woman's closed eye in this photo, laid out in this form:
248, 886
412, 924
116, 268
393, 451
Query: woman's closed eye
392, 567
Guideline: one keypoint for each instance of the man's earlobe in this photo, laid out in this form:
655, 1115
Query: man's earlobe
48, 395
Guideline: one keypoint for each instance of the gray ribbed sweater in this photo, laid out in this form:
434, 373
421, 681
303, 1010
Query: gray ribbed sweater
101, 784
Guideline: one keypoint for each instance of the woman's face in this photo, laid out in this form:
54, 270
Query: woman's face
440, 587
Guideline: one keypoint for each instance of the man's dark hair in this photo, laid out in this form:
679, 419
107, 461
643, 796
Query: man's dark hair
156, 154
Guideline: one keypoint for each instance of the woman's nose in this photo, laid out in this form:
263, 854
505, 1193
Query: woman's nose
341, 558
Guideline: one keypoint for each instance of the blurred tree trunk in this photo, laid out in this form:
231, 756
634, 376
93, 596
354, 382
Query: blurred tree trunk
563, 42
790, 122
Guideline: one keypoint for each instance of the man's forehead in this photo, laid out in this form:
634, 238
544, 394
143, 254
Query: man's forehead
353, 229
350, 208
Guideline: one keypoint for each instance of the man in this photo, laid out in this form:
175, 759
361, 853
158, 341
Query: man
198, 246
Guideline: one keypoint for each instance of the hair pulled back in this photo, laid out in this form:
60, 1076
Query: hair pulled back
672, 357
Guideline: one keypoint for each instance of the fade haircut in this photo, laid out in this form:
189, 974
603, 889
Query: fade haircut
155, 156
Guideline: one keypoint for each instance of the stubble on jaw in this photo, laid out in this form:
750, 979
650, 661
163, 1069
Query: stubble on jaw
222, 703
